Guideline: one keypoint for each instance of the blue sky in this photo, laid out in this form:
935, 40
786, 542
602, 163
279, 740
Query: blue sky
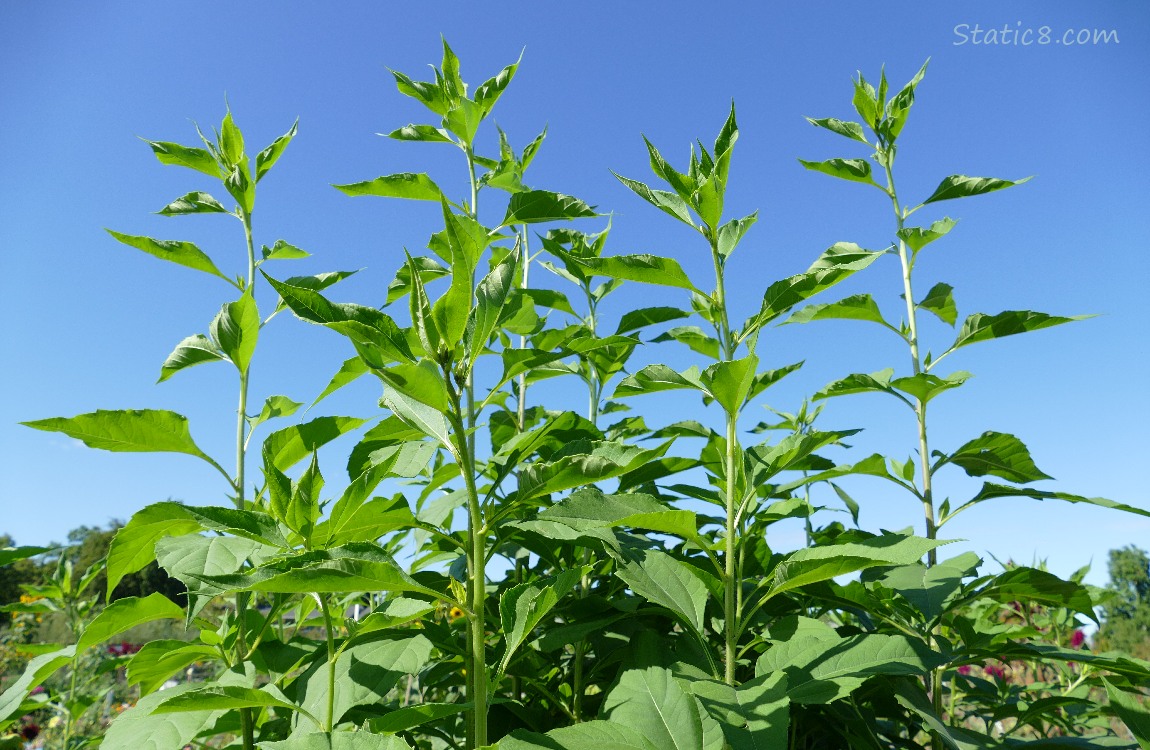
89, 321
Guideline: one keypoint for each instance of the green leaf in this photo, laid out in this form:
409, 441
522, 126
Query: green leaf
924, 386
157, 661
357, 566
523, 607
1132, 711
876, 382
658, 706
982, 327
730, 382
183, 156
855, 307
282, 250
991, 491
648, 316
289, 446
918, 238
134, 545
590, 735
490, 296
537, 206
395, 613
376, 337
193, 203
754, 715
241, 186
647, 269
364, 673
851, 130
663, 580
39, 669
928, 589
303, 510
193, 350
373, 449
999, 454
138, 728
371, 519
911, 696
275, 406
9, 555
661, 199
1032, 585
231, 140
488, 92
126, 613
176, 251
352, 369
814, 564
654, 378
340, 740
422, 417
267, 158
223, 697
430, 336
961, 186
429, 270
731, 233
422, 382
127, 431
837, 263
940, 301
693, 337
404, 185
589, 508
854, 170
583, 462
819, 671
235, 330
424, 133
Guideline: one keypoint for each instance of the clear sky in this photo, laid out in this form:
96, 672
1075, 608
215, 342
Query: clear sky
88, 321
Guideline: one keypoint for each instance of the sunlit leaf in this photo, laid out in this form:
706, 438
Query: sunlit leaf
176, 251
404, 185
961, 186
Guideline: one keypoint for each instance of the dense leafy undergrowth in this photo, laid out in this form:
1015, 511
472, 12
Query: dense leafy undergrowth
553, 575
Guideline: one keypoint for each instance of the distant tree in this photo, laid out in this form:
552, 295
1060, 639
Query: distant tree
12, 576
1126, 623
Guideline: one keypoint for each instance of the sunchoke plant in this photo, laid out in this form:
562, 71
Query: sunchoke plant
565, 571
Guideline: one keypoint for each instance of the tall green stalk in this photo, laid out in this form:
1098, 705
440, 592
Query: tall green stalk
731, 577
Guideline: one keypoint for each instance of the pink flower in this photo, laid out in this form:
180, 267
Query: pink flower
994, 670
1077, 639
964, 669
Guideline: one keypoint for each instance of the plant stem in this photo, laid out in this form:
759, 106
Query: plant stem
731, 626
247, 727
329, 722
521, 401
933, 679
916, 362
476, 573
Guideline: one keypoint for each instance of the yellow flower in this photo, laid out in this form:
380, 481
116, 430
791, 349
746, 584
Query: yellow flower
455, 613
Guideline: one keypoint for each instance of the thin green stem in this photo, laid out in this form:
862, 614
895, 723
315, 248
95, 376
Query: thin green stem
933, 679
247, 724
329, 720
521, 400
916, 361
476, 574
731, 583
